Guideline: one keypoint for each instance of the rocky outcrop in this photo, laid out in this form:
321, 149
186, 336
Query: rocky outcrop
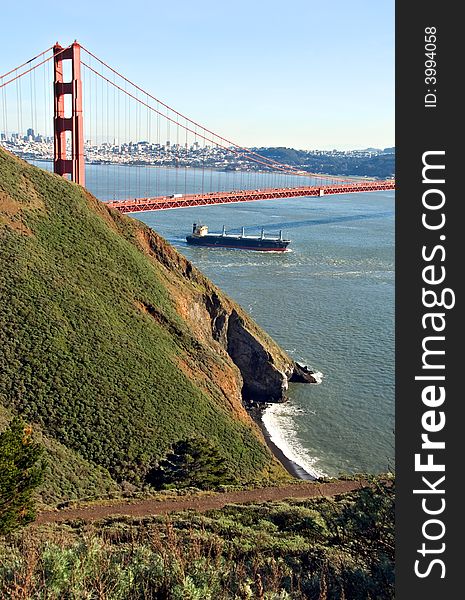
265, 369
263, 381
302, 374
219, 317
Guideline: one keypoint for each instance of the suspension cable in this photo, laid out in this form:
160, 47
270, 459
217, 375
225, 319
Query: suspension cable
26, 63
263, 159
171, 120
32, 68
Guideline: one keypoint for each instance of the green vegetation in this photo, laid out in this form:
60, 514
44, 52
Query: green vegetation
93, 350
319, 549
191, 463
67, 476
21, 472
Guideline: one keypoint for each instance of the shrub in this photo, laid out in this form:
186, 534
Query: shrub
195, 462
21, 472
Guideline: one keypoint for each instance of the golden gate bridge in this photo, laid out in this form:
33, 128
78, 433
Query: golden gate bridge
60, 86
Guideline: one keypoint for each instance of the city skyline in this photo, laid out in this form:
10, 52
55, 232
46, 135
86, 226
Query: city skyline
316, 77
369, 162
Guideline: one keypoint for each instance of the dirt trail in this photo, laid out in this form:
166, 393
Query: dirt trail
151, 506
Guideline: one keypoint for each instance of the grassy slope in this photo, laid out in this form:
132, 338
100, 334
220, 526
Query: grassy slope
67, 475
80, 356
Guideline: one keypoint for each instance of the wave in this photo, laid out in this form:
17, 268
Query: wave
285, 225
364, 273
279, 421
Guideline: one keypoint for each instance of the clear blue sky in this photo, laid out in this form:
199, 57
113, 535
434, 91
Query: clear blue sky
299, 73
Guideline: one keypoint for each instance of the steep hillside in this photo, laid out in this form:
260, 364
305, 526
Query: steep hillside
113, 344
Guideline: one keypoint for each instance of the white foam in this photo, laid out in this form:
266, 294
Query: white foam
278, 419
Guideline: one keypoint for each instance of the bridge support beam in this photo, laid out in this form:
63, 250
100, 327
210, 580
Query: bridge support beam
68, 161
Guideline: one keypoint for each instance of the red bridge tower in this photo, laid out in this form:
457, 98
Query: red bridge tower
65, 164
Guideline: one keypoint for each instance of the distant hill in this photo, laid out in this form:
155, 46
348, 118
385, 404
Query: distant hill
380, 165
114, 346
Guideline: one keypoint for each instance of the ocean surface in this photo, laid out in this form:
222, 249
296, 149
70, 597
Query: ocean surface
329, 302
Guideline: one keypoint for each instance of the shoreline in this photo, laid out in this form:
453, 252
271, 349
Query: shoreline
291, 467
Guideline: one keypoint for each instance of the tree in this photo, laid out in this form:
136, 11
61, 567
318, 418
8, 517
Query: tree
21, 472
194, 462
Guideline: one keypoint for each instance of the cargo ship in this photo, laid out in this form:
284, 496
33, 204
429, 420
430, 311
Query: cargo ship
201, 237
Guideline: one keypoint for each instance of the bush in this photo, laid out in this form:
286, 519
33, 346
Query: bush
21, 472
270, 551
195, 462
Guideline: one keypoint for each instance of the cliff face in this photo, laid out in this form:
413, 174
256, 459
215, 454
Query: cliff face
263, 381
114, 344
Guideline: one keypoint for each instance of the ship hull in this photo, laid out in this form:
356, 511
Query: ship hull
238, 242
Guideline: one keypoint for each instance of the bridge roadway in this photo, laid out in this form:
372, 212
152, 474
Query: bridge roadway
205, 199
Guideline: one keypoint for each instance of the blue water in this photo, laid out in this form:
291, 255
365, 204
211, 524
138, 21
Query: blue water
329, 303
119, 182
